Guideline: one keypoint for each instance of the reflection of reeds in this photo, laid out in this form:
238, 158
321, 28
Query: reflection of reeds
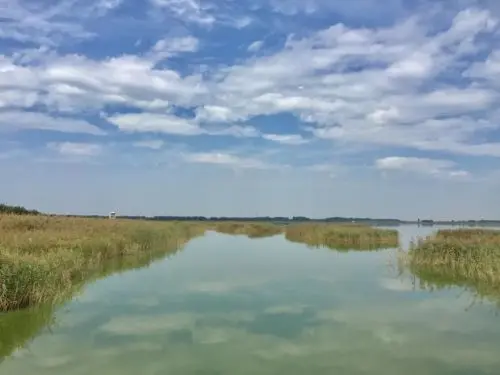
468, 258
19, 327
43, 258
342, 236
251, 230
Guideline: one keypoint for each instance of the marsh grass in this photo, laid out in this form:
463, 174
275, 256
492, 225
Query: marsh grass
251, 230
19, 327
44, 258
342, 237
469, 258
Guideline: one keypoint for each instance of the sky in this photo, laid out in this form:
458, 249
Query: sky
251, 108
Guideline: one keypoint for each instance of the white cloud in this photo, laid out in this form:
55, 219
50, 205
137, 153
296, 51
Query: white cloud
433, 167
187, 10
367, 86
76, 149
104, 6
220, 158
288, 139
235, 131
50, 24
149, 122
76, 83
243, 22
154, 144
255, 46
488, 70
15, 120
168, 47
215, 113
393, 100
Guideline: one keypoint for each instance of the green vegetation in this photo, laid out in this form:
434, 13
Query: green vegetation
46, 258
334, 236
342, 237
251, 230
33, 320
465, 257
16, 210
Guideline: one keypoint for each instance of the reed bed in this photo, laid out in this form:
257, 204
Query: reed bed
19, 327
471, 253
44, 258
464, 257
342, 236
251, 230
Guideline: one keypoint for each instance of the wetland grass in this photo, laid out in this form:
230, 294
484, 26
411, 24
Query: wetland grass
249, 229
342, 236
19, 327
469, 258
45, 258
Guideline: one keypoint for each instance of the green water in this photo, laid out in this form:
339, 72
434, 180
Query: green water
232, 305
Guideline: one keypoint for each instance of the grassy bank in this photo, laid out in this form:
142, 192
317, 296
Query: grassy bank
342, 236
44, 258
334, 236
249, 229
19, 327
470, 253
465, 257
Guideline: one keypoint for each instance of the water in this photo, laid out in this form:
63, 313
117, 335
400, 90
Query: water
231, 305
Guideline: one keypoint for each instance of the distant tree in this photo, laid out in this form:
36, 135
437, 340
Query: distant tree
16, 210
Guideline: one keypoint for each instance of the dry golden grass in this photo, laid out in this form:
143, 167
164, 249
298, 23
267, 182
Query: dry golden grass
249, 229
43, 258
463, 257
342, 236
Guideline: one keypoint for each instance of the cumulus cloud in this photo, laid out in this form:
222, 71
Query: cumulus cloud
154, 144
255, 46
75, 83
235, 131
50, 23
225, 159
433, 167
288, 139
168, 47
150, 122
75, 148
16, 121
390, 100
187, 10
408, 84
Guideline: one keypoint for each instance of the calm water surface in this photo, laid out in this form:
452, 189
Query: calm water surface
231, 305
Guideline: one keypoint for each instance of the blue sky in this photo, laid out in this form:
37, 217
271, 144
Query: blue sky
267, 107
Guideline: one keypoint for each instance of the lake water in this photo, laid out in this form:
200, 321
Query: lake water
233, 305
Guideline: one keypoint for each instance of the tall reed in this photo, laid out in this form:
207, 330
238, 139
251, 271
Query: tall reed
43, 258
468, 258
342, 236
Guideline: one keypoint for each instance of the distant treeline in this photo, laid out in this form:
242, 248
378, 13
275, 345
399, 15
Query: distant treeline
480, 223
275, 219
17, 210
302, 219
